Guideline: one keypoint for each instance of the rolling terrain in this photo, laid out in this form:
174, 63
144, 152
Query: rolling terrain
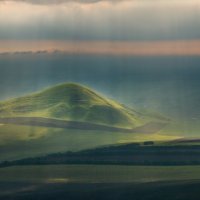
105, 149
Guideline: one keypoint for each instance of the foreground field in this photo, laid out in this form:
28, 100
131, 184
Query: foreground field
99, 182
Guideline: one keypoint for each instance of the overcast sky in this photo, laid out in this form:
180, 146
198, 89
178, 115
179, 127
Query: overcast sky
110, 21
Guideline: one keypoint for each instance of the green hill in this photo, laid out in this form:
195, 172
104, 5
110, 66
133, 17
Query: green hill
70, 117
72, 102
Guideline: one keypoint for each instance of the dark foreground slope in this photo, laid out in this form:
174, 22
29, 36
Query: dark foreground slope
175, 190
99, 182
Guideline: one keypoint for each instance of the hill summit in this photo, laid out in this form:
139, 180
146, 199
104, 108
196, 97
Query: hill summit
72, 102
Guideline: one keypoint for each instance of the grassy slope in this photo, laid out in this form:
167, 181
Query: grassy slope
71, 102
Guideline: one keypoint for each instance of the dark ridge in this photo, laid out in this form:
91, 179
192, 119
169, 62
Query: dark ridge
127, 154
